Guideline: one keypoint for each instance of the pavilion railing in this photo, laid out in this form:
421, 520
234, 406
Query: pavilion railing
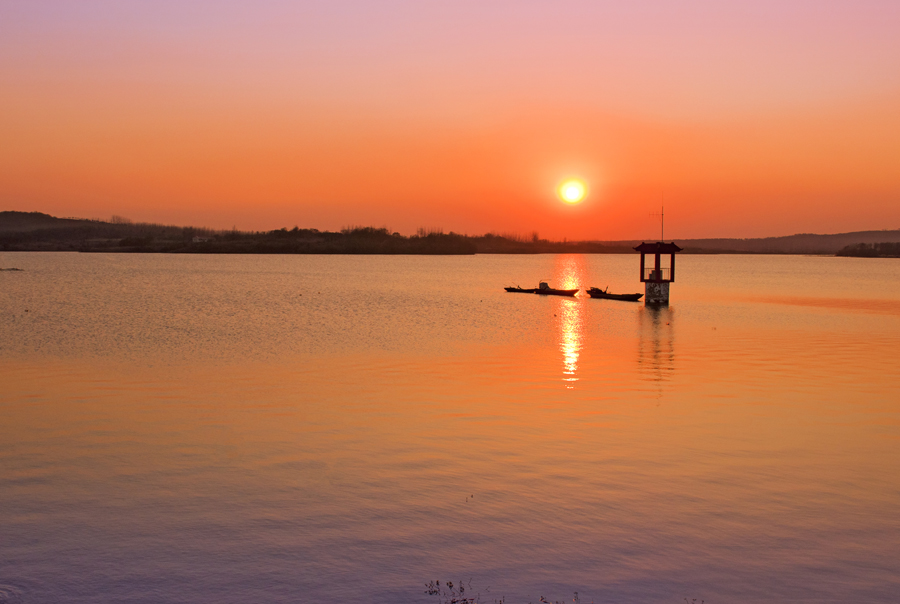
656, 274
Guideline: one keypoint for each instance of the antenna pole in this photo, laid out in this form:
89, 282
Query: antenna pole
662, 223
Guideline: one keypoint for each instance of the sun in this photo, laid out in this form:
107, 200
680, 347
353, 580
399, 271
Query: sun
572, 190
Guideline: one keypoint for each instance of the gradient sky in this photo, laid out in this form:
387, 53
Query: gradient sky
748, 118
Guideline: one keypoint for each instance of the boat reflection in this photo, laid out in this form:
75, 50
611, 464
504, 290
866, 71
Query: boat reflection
568, 273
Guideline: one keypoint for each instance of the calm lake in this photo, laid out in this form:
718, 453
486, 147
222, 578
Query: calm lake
251, 429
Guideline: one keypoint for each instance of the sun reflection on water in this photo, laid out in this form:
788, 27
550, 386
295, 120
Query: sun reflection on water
569, 274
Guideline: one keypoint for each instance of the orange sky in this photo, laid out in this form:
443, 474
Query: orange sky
748, 120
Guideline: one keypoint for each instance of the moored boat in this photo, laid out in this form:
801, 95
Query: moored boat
519, 290
545, 290
596, 292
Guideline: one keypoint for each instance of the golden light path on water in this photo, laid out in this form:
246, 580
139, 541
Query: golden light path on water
569, 273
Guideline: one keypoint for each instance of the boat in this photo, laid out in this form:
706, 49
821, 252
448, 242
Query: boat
519, 290
596, 292
546, 290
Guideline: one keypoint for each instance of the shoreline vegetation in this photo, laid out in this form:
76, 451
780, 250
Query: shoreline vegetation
36, 231
871, 250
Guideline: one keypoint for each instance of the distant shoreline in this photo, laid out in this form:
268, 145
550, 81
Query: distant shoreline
426, 253
38, 232
871, 250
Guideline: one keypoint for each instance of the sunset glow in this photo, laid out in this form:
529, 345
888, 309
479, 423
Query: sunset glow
756, 119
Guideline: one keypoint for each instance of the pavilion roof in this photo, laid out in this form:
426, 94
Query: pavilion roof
659, 247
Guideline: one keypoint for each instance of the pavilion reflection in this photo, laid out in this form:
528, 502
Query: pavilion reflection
568, 273
656, 348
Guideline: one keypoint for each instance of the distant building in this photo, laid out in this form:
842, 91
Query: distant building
199, 239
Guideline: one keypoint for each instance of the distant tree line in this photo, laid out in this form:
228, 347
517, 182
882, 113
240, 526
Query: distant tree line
36, 231
21, 231
871, 250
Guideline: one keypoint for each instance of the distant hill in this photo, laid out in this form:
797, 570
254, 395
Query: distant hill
21, 231
792, 244
35, 231
32, 221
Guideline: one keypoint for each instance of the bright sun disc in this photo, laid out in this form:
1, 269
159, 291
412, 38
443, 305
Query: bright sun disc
572, 191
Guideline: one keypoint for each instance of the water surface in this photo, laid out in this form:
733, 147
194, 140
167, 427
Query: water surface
342, 429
